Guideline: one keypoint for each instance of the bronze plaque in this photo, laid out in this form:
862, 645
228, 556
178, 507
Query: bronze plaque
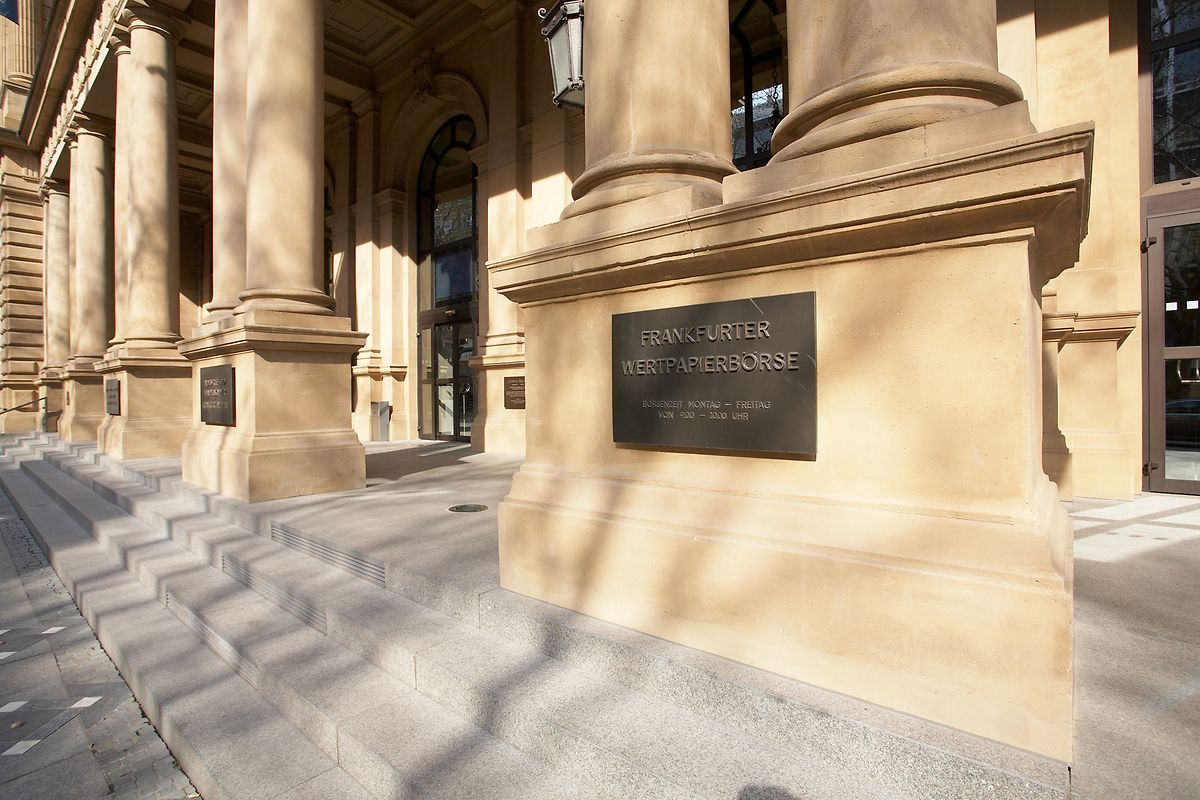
514, 392
112, 398
217, 395
736, 376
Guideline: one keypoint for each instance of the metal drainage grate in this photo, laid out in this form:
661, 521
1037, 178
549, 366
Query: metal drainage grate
468, 508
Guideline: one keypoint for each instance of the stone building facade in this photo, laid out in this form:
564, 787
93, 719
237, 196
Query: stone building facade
374, 214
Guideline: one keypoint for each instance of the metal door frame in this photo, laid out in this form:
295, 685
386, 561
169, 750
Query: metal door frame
428, 389
1157, 353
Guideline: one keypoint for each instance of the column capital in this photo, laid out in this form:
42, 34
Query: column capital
118, 42
156, 16
91, 125
341, 121
51, 186
367, 103
390, 201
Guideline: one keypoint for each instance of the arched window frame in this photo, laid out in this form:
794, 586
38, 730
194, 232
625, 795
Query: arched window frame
457, 133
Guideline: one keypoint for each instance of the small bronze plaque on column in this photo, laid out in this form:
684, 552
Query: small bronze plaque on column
736, 376
217, 395
514, 392
112, 398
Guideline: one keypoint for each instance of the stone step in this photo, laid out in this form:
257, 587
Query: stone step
625, 744
897, 756
388, 737
232, 744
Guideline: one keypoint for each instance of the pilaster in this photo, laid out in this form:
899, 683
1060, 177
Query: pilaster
501, 341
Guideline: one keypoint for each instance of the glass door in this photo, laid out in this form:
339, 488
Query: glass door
448, 382
1173, 350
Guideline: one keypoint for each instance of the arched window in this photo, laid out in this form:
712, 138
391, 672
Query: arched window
757, 61
446, 197
448, 265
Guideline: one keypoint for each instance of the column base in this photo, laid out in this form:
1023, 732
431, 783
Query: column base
801, 588
155, 411
291, 433
27, 414
1056, 458
1102, 465
918, 557
50, 389
383, 385
83, 405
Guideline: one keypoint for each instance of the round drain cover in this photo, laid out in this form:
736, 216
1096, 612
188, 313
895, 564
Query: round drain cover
468, 508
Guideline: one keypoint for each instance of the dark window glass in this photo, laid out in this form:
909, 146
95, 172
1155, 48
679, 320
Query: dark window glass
1173, 17
1181, 286
1176, 131
1182, 419
453, 275
757, 80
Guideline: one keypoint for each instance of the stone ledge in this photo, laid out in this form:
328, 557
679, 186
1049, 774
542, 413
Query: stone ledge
1036, 182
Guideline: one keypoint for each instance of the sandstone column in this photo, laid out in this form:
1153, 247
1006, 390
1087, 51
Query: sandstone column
21, 49
56, 302
144, 369
121, 180
57, 291
229, 159
284, 185
657, 103
272, 418
854, 73
91, 284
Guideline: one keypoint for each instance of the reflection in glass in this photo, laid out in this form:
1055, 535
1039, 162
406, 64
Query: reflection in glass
445, 408
757, 81
1183, 419
1181, 286
1176, 106
1172, 17
453, 275
453, 220
445, 351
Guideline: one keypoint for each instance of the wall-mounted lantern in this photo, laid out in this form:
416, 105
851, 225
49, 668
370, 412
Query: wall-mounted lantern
563, 29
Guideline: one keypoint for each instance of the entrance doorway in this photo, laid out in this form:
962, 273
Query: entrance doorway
1173, 352
448, 386
447, 282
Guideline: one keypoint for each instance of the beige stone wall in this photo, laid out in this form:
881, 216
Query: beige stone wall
1078, 61
527, 154
20, 291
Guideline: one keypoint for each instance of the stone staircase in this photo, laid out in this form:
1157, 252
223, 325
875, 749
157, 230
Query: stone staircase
278, 662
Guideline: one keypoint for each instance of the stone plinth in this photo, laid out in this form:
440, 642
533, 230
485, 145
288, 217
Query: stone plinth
921, 560
155, 409
292, 433
83, 402
498, 427
50, 390
26, 415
